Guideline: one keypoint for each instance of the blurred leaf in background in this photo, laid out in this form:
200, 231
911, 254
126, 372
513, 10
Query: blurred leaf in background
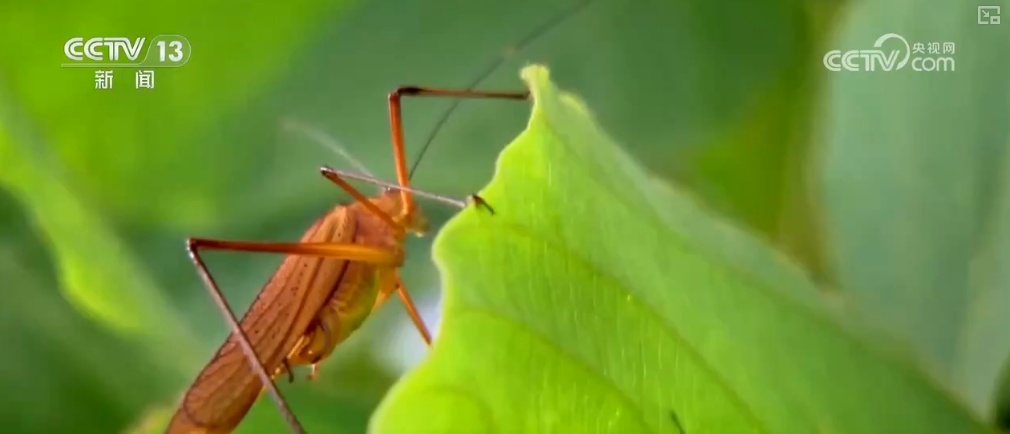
58, 361
912, 174
729, 99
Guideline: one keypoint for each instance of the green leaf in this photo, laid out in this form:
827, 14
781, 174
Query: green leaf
595, 300
909, 176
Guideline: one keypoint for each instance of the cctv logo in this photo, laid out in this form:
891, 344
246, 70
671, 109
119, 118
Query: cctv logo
100, 49
870, 60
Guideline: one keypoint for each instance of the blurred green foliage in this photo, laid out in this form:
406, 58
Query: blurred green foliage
901, 203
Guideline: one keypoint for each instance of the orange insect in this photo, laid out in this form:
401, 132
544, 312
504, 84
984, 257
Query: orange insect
343, 268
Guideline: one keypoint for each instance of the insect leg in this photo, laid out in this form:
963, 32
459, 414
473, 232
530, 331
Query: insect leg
287, 368
193, 246
480, 202
326, 344
331, 173
396, 122
337, 179
401, 290
408, 303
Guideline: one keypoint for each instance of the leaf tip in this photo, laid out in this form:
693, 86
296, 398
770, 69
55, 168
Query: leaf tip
544, 93
538, 80
535, 74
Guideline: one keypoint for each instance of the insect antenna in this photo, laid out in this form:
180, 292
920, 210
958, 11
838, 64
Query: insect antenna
533, 35
325, 140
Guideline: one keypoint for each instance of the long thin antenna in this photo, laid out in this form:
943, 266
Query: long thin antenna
326, 140
518, 47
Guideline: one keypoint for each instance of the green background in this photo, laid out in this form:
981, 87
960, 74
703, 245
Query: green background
103, 318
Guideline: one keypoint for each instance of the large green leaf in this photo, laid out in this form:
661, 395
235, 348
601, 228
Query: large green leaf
595, 300
909, 173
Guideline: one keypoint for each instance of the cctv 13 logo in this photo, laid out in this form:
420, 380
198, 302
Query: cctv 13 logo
118, 51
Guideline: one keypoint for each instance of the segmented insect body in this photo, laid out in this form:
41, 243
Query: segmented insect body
309, 306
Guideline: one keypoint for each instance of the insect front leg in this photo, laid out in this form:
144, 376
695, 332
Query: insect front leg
408, 303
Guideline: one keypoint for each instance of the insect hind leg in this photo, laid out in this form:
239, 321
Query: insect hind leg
193, 246
367, 254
